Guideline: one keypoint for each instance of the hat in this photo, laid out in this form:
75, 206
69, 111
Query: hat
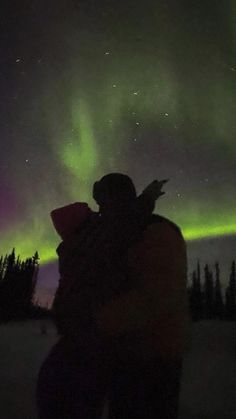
114, 188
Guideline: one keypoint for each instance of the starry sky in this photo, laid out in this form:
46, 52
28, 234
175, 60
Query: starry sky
144, 88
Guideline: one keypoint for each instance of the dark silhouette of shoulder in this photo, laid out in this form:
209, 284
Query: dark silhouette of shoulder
155, 219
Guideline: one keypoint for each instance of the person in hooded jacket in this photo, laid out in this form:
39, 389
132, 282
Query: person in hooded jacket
93, 265
149, 324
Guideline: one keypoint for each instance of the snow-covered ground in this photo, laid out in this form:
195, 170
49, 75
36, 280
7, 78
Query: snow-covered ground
209, 379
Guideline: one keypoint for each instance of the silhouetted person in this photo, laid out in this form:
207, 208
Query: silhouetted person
148, 323
120, 309
94, 272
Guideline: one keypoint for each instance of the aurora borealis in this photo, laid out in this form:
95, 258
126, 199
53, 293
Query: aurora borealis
145, 88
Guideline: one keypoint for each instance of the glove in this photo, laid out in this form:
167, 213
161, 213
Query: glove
153, 190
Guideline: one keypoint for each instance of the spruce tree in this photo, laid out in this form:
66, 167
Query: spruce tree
230, 295
192, 296
208, 293
17, 286
1, 268
195, 295
199, 290
218, 300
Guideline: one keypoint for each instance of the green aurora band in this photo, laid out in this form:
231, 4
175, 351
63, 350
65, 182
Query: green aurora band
110, 111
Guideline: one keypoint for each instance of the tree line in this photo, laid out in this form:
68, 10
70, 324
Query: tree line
207, 300
18, 279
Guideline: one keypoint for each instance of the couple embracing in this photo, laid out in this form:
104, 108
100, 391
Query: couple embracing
120, 309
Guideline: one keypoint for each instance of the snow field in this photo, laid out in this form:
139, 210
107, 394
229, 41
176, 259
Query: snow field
209, 379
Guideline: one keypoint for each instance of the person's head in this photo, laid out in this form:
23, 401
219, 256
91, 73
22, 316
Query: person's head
114, 193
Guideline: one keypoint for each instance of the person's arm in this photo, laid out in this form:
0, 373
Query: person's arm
145, 203
159, 262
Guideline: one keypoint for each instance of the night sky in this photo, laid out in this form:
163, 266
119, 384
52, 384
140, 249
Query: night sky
145, 88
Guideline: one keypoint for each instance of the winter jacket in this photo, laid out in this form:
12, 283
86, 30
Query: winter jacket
92, 262
152, 319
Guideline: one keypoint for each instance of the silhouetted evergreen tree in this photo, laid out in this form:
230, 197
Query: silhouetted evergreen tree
218, 300
208, 293
17, 286
195, 295
230, 295
1, 267
206, 300
29, 278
